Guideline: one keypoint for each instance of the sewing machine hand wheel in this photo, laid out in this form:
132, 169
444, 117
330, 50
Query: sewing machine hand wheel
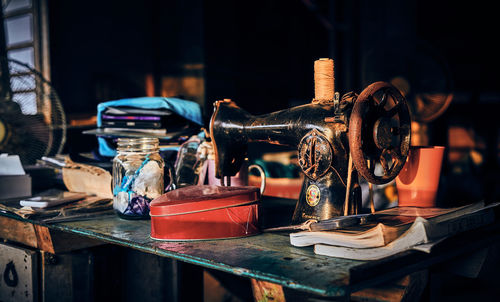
379, 132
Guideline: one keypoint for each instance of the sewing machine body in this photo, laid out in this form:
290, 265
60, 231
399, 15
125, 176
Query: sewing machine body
319, 132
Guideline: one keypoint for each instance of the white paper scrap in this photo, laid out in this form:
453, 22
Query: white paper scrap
11, 165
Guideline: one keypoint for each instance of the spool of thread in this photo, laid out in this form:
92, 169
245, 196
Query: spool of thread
324, 80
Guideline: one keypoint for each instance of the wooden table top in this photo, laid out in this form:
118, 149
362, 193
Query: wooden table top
267, 257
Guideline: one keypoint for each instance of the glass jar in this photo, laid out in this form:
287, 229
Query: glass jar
138, 171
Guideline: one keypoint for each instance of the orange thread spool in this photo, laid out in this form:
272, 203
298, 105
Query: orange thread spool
324, 80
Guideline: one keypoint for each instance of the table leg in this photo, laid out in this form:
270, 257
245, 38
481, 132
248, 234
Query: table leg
408, 288
265, 291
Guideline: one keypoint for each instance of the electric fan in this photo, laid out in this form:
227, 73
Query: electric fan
419, 72
32, 120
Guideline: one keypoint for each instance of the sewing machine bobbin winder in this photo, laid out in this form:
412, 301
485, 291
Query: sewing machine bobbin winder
334, 136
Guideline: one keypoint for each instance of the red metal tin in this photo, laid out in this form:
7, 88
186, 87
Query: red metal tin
205, 212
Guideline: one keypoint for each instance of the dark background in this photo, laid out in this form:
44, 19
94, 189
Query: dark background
260, 52
261, 55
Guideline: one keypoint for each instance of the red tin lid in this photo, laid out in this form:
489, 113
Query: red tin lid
202, 198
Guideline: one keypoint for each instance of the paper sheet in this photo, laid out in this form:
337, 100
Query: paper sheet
10, 165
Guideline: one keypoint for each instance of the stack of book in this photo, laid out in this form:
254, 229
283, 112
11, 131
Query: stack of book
137, 120
396, 230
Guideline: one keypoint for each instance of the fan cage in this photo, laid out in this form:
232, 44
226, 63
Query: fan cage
42, 110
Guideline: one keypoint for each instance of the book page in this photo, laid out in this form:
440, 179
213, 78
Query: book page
422, 212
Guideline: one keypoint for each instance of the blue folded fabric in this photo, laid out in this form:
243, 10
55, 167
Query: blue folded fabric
188, 109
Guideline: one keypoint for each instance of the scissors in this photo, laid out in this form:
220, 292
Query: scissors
325, 225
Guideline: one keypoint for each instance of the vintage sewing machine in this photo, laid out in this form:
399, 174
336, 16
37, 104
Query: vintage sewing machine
369, 132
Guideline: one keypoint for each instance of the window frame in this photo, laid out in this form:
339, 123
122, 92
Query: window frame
38, 10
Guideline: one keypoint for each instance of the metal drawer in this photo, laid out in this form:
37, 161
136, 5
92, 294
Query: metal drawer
18, 274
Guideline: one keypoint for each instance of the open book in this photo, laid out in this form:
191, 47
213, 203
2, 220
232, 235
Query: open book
386, 226
422, 235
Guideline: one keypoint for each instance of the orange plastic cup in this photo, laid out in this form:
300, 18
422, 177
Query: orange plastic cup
418, 181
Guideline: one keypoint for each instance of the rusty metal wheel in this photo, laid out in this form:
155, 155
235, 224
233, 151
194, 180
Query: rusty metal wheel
379, 132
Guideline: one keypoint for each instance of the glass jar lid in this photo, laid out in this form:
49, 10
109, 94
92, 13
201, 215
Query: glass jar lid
143, 144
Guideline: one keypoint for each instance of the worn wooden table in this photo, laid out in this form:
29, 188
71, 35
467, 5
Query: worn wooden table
270, 257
